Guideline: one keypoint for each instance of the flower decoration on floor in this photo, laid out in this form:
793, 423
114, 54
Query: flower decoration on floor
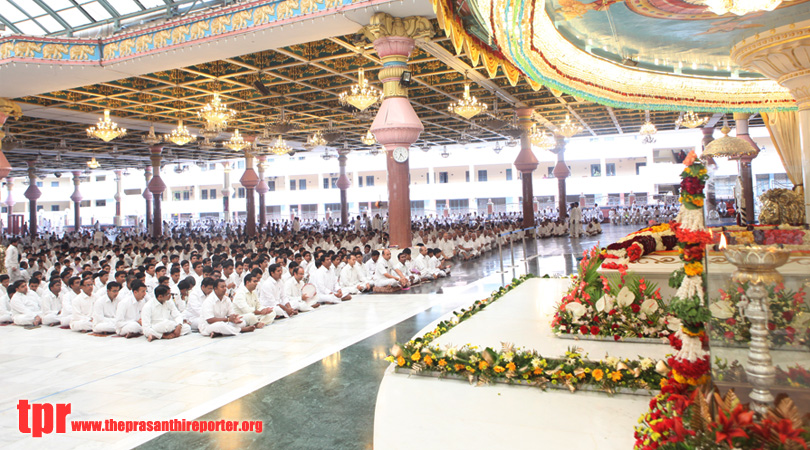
792, 237
642, 242
615, 308
789, 316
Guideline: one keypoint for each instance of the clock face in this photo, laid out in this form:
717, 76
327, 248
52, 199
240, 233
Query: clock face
400, 154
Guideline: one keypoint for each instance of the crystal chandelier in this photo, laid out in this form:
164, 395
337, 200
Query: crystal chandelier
326, 155
316, 140
93, 164
691, 120
216, 114
280, 147
445, 153
469, 106
374, 151
568, 128
180, 135
106, 129
740, 7
237, 143
151, 138
648, 130
360, 95
368, 139
541, 139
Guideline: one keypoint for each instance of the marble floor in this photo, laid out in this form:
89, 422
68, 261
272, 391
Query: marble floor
312, 380
518, 416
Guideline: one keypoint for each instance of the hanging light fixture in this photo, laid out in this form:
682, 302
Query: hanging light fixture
280, 147
180, 135
740, 7
360, 95
445, 153
374, 151
648, 129
151, 138
542, 139
106, 129
316, 140
326, 155
691, 120
568, 128
469, 106
498, 147
728, 147
368, 139
93, 164
237, 143
216, 114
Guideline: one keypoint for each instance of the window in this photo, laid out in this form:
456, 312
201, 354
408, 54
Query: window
639, 166
467, 176
176, 196
240, 192
550, 170
212, 166
101, 202
610, 169
4, 209
101, 178
84, 204
508, 174
204, 194
360, 181
369, 180
302, 184
482, 175
326, 183
39, 184
442, 177
271, 185
459, 206
334, 183
596, 170
240, 164
292, 185
54, 207
54, 184
212, 194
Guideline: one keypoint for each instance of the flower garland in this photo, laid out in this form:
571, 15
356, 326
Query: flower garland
517, 365
792, 237
643, 242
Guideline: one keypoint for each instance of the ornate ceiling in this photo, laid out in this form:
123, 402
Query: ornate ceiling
304, 79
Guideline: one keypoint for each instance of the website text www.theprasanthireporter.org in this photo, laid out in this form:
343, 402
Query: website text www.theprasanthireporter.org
38, 419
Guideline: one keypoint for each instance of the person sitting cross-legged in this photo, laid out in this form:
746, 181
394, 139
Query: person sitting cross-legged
218, 317
160, 318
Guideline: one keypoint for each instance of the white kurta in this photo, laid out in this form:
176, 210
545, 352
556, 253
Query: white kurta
292, 289
104, 314
159, 318
326, 285
127, 315
82, 316
5, 307
25, 308
213, 307
272, 296
383, 267
246, 303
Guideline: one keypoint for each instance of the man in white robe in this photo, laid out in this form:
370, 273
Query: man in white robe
51, 303
82, 317
128, 312
160, 318
272, 294
196, 298
326, 283
246, 303
293, 290
104, 309
13, 260
352, 278
384, 276
25, 308
218, 317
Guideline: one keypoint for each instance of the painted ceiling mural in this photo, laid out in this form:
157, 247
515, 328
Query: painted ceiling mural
665, 35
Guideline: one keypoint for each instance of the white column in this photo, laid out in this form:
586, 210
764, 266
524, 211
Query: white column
804, 127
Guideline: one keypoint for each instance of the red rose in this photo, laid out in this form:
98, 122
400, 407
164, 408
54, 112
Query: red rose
583, 330
635, 308
594, 330
616, 337
731, 321
788, 315
728, 335
615, 326
771, 326
612, 312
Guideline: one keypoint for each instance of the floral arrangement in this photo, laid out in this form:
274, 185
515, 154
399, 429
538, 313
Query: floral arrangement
795, 376
615, 308
643, 242
789, 320
792, 237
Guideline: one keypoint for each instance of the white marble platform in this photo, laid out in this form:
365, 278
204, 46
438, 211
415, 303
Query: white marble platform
511, 416
116, 378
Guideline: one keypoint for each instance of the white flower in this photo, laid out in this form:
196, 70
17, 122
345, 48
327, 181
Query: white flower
661, 367
649, 306
646, 363
508, 356
722, 309
674, 323
577, 310
625, 297
612, 361
535, 363
605, 303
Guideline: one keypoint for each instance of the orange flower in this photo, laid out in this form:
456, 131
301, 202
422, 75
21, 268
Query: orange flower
616, 376
482, 365
499, 369
538, 371
690, 158
598, 374
416, 356
459, 367
510, 366
442, 362
428, 360
400, 361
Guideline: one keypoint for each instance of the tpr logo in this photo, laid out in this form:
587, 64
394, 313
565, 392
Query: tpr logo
44, 417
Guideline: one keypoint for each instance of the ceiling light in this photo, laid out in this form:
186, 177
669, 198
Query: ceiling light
93, 164
216, 114
691, 120
740, 7
568, 128
180, 135
106, 129
360, 95
280, 147
369, 138
542, 139
316, 140
237, 143
151, 138
469, 106
445, 153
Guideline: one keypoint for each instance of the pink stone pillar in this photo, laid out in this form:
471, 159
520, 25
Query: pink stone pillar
76, 197
561, 172
744, 166
118, 196
10, 203
147, 174
32, 194
250, 180
261, 189
526, 163
156, 187
343, 184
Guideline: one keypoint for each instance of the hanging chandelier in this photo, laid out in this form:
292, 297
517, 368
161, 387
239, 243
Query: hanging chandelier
740, 7
445, 153
374, 151
316, 140
368, 139
568, 128
93, 164
691, 120
360, 95
151, 138
179, 136
542, 139
106, 129
648, 130
280, 147
469, 106
237, 143
216, 114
